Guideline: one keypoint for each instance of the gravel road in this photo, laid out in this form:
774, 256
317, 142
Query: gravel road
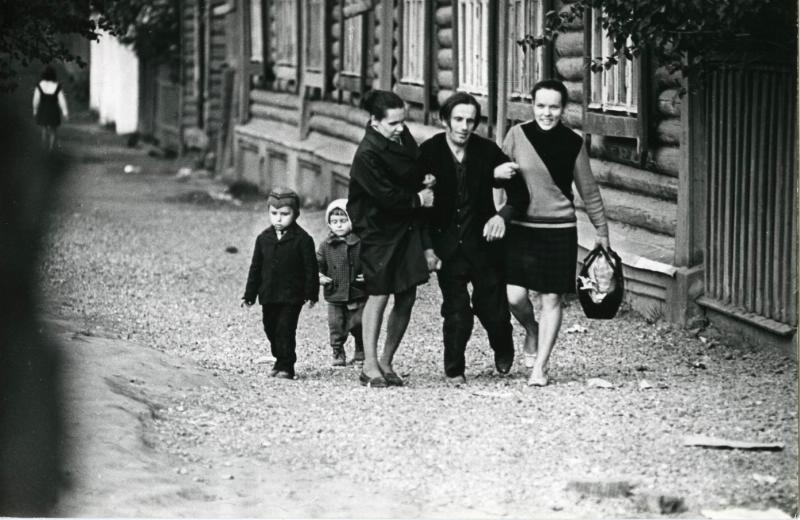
129, 260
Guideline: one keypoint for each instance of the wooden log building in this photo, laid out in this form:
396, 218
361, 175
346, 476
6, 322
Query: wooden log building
700, 188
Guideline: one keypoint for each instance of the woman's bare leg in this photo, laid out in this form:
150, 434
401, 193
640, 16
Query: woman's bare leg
549, 325
371, 321
396, 326
522, 309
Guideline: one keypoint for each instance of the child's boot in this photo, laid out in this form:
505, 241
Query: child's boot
339, 359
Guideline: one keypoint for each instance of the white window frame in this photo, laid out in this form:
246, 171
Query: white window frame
256, 29
473, 31
614, 89
351, 46
525, 67
286, 30
412, 57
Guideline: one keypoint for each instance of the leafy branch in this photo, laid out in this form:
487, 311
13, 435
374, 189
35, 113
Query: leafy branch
681, 34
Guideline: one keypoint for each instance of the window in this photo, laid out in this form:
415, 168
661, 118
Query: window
284, 23
525, 66
614, 89
354, 54
316, 38
256, 32
413, 42
472, 27
613, 97
351, 62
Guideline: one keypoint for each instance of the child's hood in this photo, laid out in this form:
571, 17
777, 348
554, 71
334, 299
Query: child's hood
336, 204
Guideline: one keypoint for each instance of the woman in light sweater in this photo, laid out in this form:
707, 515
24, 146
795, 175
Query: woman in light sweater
542, 244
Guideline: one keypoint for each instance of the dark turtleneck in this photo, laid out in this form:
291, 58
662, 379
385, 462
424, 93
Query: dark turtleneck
558, 148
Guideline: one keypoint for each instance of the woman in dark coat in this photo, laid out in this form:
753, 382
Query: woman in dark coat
384, 202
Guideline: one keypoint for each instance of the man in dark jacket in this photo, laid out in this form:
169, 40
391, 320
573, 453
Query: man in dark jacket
466, 231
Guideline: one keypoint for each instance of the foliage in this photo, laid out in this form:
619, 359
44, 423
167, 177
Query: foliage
32, 30
150, 26
36, 30
682, 34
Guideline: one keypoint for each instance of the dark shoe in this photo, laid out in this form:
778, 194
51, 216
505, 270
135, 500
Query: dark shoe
374, 382
339, 359
283, 374
393, 379
503, 366
456, 380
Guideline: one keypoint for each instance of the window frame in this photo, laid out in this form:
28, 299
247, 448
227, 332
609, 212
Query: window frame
354, 82
521, 109
615, 123
316, 76
288, 71
417, 91
487, 101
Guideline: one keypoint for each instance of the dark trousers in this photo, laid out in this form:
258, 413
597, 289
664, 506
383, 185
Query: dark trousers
280, 324
489, 303
343, 319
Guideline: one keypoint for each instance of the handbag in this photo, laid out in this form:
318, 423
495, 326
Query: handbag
601, 284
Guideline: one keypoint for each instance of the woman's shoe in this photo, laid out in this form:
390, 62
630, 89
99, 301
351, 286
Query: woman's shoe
374, 382
393, 379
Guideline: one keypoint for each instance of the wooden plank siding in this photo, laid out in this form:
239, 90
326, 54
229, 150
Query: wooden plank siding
750, 236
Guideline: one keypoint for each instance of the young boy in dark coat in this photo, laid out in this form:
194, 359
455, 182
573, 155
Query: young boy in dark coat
284, 275
343, 282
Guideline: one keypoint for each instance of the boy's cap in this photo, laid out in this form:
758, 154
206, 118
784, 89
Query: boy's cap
281, 197
340, 204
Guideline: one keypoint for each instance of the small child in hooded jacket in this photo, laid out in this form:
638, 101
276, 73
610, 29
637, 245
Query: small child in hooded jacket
283, 275
340, 275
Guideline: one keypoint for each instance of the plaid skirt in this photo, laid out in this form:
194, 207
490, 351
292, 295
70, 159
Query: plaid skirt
542, 259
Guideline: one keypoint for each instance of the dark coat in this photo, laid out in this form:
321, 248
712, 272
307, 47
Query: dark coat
482, 156
338, 258
285, 270
386, 213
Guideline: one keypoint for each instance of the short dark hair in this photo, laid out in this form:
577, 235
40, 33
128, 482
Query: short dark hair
551, 84
459, 98
49, 73
378, 102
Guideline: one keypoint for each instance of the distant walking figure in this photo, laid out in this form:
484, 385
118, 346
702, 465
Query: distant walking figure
49, 106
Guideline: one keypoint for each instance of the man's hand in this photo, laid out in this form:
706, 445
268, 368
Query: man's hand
324, 280
247, 303
495, 229
311, 304
506, 170
360, 277
432, 260
426, 197
429, 181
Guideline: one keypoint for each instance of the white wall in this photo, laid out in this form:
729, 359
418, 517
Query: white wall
114, 83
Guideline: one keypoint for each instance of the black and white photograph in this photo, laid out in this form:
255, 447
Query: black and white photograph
399, 259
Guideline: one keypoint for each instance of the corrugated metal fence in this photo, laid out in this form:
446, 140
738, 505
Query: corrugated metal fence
751, 217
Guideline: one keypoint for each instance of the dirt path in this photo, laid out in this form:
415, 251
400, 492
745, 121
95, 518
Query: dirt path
170, 412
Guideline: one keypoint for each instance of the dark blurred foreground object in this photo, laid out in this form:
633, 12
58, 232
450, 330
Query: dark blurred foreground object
601, 284
30, 384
